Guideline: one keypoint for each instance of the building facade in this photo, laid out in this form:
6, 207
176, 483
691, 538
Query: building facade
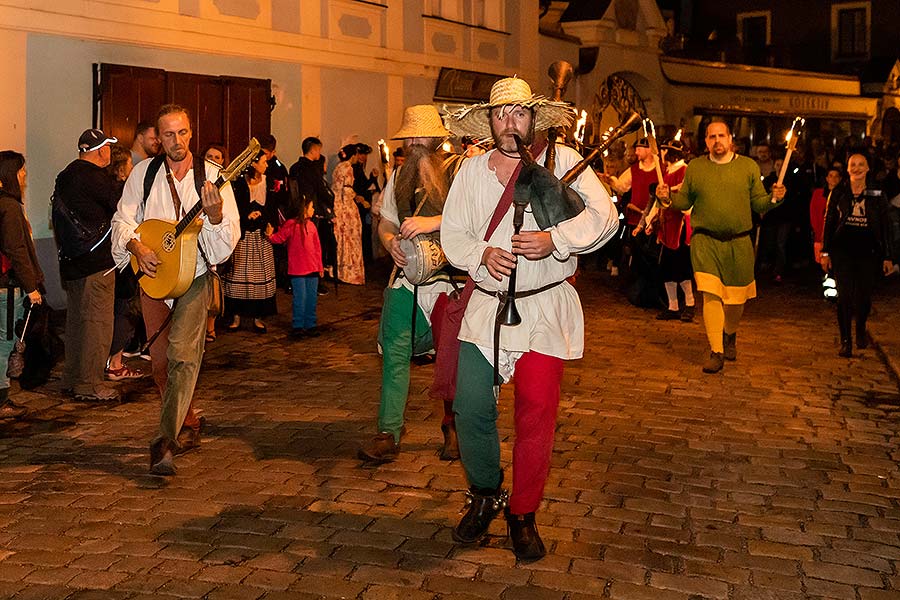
632, 57
329, 68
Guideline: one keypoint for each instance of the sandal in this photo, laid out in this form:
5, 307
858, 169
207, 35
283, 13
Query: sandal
123, 372
210, 337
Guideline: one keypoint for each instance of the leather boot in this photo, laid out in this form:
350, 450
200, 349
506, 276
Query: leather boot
846, 350
484, 504
450, 451
162, 454
714, 363
862, 337
381, 449
187, 440
729, 343
8, 410
526, 540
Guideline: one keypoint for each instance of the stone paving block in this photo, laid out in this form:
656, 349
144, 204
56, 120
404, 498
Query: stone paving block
530, 592
43, 592
870, 594
842, 574
368, 555
611, 570
328, 586
52, 575
271, 580
454, 585
507, 575
566, 582
628, 591
829, 589
690, 585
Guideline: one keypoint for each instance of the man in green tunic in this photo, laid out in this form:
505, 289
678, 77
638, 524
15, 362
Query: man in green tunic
722, 188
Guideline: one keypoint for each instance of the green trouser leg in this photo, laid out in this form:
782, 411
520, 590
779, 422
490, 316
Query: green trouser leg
476, 419
185, 353
396, 347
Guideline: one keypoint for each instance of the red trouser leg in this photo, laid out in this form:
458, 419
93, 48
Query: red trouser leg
155, 313
537, 379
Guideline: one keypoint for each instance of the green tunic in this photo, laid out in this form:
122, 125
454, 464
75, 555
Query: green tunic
722, 197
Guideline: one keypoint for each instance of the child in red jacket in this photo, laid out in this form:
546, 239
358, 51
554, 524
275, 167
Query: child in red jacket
304, 266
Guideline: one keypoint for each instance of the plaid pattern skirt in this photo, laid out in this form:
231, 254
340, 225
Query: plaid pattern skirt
250, 282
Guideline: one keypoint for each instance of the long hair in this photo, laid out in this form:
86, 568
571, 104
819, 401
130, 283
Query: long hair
422, 168
11, 162
119, 156
221, 148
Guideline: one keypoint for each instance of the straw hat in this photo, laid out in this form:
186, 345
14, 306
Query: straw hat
421, 121
512, 91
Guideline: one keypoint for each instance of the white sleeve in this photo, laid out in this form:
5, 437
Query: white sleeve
219, 240
389, 203
129, 212
622, 183
459, 234
599, 221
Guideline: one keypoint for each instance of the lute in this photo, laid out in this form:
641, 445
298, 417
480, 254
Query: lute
175, 243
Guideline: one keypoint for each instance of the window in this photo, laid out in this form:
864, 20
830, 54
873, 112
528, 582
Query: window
850, 30
489, 14
452, 10
754, 29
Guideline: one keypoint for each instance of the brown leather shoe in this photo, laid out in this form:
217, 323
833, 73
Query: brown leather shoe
450, 451
8, 411
381, 449
188, 439
714, 363
162, 460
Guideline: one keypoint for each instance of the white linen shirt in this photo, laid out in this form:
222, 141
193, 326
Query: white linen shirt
552, 321
218, 241
428, 294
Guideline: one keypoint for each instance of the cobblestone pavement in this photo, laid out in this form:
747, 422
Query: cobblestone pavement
777, 479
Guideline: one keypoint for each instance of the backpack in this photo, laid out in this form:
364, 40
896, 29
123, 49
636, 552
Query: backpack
73, 238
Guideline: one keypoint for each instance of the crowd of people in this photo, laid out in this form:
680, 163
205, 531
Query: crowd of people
504, 308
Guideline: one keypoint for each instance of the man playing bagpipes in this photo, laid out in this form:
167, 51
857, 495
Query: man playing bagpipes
411, 213
488, 232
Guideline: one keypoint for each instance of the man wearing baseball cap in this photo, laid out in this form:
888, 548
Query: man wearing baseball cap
89, 195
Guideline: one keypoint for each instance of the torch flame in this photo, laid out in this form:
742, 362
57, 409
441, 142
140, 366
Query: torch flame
385, 151
678, 135
579, 127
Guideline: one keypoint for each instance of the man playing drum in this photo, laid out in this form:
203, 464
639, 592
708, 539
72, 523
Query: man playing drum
412, 205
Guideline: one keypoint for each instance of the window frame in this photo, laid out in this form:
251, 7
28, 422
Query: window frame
836, 10
755, 14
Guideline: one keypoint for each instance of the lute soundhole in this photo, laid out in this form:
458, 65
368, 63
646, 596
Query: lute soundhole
168, 241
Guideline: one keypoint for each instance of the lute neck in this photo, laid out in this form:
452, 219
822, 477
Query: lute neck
189, 217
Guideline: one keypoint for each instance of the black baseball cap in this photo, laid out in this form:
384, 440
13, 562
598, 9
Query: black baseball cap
93, 139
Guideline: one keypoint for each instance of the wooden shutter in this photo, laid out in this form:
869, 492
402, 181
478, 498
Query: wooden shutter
129, 95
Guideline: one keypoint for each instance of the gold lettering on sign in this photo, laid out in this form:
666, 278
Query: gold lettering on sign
809, 103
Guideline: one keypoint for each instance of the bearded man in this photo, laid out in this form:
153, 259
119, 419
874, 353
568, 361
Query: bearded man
478, 235
413, 201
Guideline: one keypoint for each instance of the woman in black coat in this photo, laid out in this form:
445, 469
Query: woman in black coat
856, 246
20, 273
